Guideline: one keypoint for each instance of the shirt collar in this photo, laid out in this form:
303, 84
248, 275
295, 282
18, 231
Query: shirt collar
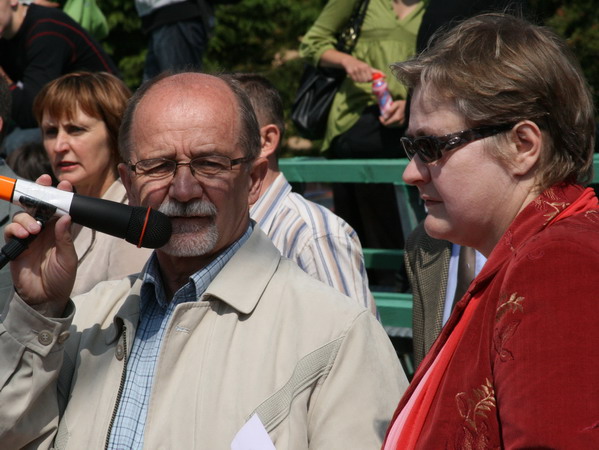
152, 288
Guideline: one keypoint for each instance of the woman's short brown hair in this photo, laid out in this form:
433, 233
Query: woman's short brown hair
495, 69
99, 94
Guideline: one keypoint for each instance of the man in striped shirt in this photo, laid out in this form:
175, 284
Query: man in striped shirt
320, 242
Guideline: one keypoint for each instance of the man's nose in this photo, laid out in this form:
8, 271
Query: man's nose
184, 185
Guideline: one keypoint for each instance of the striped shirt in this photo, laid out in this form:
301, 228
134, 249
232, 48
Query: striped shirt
320, 242
154, 316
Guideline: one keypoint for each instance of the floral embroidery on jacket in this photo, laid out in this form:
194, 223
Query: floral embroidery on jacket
507, 327
557, 208
592, 215
513, 304
473, 409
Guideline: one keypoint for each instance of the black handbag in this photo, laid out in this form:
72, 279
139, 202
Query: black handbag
318, 85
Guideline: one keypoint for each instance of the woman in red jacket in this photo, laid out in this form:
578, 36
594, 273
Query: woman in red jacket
501, 139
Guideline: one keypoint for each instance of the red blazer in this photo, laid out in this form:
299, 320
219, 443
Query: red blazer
526, 371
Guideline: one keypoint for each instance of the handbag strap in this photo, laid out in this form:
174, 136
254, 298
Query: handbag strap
349, 35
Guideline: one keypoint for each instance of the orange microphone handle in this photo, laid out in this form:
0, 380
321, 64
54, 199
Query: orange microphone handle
7, 188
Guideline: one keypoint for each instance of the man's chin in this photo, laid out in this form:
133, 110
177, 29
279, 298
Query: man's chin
191, 244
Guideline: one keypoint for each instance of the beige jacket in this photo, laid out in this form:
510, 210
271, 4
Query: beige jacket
318, 370
102, 256
7, 210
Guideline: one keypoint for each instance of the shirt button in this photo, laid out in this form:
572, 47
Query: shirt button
120, 352
63, 337
44, 337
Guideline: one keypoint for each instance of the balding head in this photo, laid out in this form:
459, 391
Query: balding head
220, 97
184, 118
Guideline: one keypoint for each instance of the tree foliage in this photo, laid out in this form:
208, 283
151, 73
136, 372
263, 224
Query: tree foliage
263, 36
126, 42
578, 22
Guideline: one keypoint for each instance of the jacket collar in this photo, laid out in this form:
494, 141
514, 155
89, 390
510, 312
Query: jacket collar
535, 217
128, 312
240, 283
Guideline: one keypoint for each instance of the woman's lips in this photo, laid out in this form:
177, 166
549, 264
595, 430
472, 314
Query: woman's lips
428, 201
66, 166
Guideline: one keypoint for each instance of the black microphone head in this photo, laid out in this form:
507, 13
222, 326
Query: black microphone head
153, 232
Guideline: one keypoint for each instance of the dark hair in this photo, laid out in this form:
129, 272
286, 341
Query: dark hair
5, 106
30, 161
496, 68
99, 94
265, 99
248, 139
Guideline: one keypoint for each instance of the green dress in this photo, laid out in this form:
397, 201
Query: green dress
384, 39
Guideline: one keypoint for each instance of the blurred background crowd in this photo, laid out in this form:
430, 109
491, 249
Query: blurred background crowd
264, 36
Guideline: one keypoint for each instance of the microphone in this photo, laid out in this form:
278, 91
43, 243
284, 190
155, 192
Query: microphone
141, 226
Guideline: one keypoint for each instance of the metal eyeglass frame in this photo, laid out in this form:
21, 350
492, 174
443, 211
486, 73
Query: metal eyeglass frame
204, 170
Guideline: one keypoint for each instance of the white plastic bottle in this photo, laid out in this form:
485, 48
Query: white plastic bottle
381, 91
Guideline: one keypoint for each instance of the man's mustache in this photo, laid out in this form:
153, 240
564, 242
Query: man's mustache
174, 208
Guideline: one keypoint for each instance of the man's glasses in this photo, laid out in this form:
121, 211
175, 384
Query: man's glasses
431, 148
206, 166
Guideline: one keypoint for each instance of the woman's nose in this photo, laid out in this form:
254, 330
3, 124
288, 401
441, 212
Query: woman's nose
416, 172
61, 142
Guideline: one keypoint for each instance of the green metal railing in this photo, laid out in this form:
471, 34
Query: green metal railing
395, 308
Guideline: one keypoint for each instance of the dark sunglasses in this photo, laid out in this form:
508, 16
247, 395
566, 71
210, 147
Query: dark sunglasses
431, 148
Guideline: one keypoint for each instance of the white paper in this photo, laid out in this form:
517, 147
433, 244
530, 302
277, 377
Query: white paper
252, 436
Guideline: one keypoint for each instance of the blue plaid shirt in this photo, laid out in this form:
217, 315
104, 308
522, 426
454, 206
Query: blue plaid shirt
155, 313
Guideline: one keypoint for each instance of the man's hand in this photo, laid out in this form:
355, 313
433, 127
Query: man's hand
44, 274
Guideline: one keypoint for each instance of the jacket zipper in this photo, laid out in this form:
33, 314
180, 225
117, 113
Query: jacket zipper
121, 388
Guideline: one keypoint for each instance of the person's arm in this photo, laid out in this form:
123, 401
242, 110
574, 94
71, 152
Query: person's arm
357, 70
33, 330
353, 406
47, 55
31, 356
318, 45
546, 354
336, 259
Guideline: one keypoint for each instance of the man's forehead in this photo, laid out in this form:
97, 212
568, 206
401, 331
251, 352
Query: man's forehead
194, 85
183, 129
174, 103
193, 90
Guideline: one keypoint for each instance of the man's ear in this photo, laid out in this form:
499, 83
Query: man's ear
125, 175
257, 175
528, 140
270, 135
